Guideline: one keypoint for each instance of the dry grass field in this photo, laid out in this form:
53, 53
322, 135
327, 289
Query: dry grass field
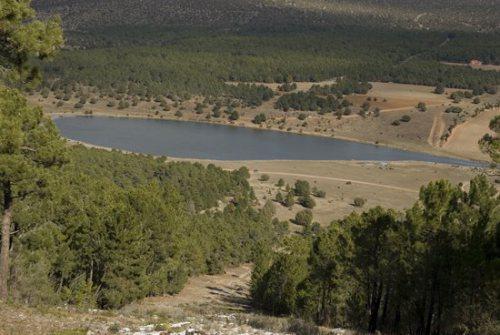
393, 185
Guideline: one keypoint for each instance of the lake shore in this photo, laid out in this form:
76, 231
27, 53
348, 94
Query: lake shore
420, 149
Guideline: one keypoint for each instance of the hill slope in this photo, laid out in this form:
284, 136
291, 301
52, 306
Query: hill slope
478, 15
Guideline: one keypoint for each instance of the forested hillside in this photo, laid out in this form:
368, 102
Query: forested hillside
99, 228
475, 15
431, 270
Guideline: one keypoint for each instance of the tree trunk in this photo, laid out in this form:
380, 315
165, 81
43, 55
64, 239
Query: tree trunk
4, 252
375, 307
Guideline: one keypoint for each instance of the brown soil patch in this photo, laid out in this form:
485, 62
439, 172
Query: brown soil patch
465, 137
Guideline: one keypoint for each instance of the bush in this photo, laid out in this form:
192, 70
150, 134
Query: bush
396, 123
280, 183
318, 193
439, 89
289, 200
178, 113
259, 118
78, 105
302, 188
495, 124
359, 202
302, 116
304, 217
234, 116
405, 118
307, 202
476, 101
422, 106
454, 109
264, 177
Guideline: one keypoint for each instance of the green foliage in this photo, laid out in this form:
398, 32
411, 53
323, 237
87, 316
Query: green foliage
302, 188
422, 107
111, 228
307, 202
359, 202
405, 118
454, 109
495, 124
23, 36
202, 62
259, 118
318, 193
264, 177
304, 218
432, 268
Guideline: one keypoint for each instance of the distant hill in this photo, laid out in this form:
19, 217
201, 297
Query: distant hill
475, 15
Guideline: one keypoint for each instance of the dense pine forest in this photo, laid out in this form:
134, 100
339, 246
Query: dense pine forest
181, 61
430, 270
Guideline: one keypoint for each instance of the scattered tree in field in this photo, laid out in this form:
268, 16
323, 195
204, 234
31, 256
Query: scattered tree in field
304, 218
302, 188
264, 177
422, 107
318, 193
359, 202
405, 118
280, 183
307, 202
289, 200
439, 89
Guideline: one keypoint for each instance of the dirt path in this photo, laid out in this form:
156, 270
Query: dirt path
437, 129
465, 137
300, 175
228, 290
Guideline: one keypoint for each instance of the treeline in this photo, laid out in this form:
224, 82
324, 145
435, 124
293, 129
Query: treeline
432, 270
309, 101
108, 228
324, 99
201, 62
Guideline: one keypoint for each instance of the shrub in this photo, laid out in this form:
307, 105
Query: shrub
453, 109
303, 218
264, 177
289, 200
307, 202
359, 202
178, 113
422, 106
396, 123
495, 124
280, 183
439, 89
234, 116
302, 188
259, 118
302, 116
78, 105
318, 193
476, 101
405, 118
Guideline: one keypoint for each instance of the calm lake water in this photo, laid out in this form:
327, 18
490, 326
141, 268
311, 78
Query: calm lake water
209, 141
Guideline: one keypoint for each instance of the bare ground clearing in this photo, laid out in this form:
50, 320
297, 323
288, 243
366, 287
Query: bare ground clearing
465, 137
395, 185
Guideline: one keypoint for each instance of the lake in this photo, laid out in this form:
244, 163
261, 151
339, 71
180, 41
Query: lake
210, 141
